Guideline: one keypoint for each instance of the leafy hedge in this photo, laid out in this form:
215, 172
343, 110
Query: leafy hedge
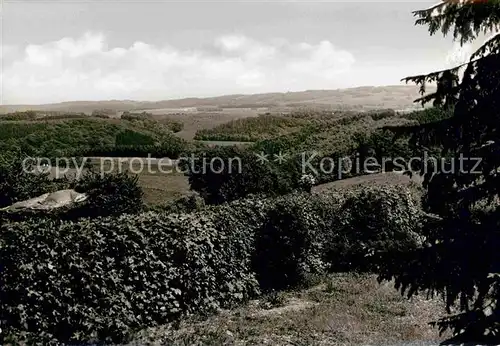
102, 279
371, 225
290, 243
108, 194
17, 184
184, 204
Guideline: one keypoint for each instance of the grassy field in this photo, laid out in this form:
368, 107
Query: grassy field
342, 309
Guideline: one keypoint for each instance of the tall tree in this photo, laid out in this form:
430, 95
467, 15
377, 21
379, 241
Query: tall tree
461, 259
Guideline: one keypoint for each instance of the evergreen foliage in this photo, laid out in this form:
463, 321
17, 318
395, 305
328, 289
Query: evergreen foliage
461, 260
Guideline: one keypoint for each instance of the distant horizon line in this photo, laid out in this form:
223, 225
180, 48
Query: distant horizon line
206, 97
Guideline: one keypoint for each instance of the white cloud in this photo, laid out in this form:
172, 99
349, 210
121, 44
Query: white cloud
85, 68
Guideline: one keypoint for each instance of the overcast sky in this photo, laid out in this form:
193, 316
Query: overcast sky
151, 50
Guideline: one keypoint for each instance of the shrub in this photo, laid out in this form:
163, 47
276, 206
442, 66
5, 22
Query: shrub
289, 244
225, 174
175, 126
372, 222
17, 183
109, 194
185, 204
129, 137
102, 279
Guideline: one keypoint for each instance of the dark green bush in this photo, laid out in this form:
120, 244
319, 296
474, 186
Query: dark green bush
289, 245
175, 126
17, 183
370, 223
225, 174
185, 204
102, 279
109, 194
129, 137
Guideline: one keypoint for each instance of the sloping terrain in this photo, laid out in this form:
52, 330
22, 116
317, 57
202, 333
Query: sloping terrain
397, 97
345, 309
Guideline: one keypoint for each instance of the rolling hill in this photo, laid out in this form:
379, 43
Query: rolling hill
396, 97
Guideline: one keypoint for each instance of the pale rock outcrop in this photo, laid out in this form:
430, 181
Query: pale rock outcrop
48, 201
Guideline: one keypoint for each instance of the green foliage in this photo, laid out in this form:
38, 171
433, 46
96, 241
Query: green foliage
186, 204
224, 174
371, 223
460, 258
289, 244
102, 279
251, 129
175, 126
88, 137
129, 137
17, 183
109, 194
